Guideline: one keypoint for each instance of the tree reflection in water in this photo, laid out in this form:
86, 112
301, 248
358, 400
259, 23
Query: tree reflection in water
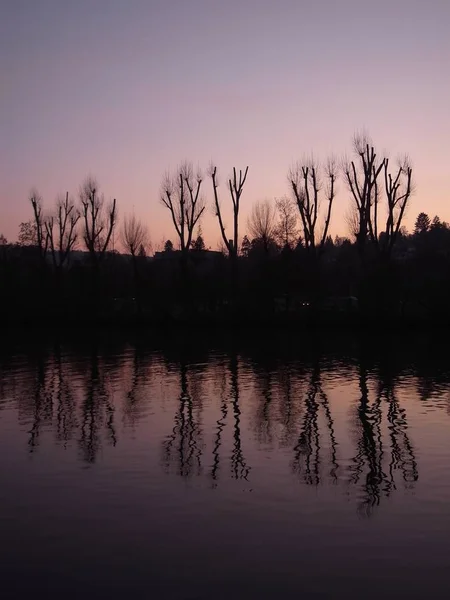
377, 459
66, 416
229, 398
239, 467
97, 409
221, 421
64, 394
183, 447
307, 452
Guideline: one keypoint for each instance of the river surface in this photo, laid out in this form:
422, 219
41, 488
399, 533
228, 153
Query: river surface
190, 469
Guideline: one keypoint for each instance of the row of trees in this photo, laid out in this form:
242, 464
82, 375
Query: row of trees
376, 191
285, 251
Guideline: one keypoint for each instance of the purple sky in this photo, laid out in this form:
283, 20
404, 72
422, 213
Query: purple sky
126, 89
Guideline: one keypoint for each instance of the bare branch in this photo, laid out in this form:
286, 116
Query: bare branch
305, 181
361, 176
99, 220
398, 190
134, 235
235, 186
287, 231
181, 196
261, 222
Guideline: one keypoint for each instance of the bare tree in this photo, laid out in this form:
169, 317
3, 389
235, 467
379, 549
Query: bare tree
39, 223
287, 229
65, 222
351, 218
306, 184
261, 223
99, 220
236, 186
134, 235
181, 196
362, 179
27, 233
398, 191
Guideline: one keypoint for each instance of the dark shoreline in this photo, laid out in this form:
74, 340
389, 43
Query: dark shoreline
242, 323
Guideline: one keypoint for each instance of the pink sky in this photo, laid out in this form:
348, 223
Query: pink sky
128, 89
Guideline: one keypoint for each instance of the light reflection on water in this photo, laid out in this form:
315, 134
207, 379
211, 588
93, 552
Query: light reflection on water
183, 471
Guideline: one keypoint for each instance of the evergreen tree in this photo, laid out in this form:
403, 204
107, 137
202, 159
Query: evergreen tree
422, 223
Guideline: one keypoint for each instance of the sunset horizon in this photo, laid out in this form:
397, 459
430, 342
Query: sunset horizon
105, 91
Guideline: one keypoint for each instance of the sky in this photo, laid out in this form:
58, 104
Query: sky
127, 89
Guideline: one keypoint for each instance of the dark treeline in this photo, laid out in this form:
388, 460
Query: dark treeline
286, 268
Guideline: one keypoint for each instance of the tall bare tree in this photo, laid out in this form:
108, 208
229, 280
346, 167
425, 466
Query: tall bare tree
306, 183
39, 223
181, 196
362, 177
262, 223
235, 186
287, 231
399, 188
63, 240
98, 219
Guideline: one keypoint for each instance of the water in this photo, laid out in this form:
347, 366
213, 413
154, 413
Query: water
275, 468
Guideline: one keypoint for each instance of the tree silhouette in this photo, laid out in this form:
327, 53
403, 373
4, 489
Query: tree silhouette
246, 246
65, 222
42, 238
198, 245
27, 234
262, 223
181, 196
305, 183
362, 177
236, 187
98, 220
287, 229
398, 189
134, 235
422, 224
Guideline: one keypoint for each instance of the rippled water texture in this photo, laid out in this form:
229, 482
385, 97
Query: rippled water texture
186, 469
